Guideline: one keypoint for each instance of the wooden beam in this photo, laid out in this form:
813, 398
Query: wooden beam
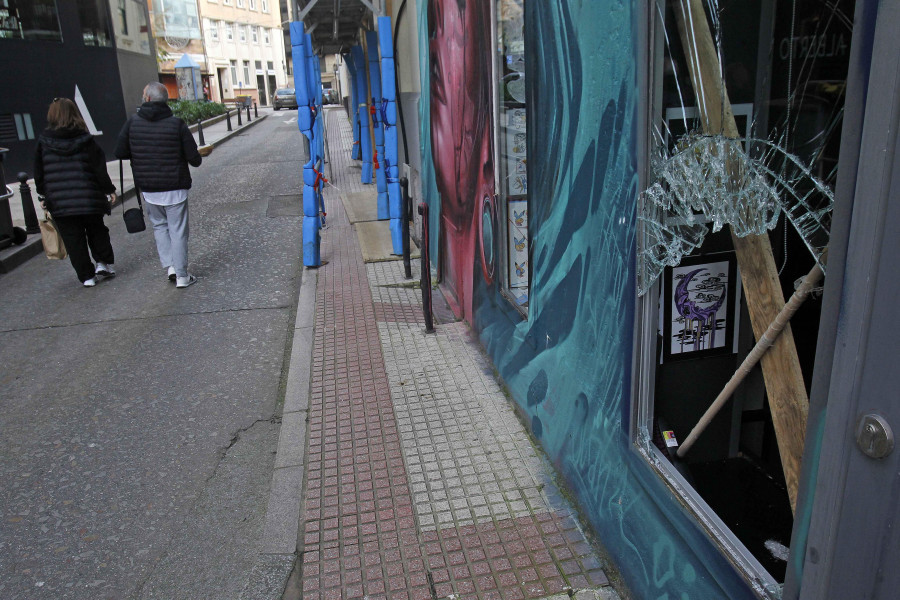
786, 390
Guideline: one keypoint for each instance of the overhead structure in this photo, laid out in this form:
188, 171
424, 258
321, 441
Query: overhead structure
334, 25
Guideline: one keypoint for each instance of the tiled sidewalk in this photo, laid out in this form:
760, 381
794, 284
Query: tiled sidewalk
421, 482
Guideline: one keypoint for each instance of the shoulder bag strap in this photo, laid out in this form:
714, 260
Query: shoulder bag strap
137, 192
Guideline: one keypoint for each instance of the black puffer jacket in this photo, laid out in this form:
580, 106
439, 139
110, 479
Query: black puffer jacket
160, 147
70, 172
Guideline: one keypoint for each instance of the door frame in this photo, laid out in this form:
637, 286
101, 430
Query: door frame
844, 543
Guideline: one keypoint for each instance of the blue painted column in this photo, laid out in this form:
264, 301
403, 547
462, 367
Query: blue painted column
353, 109
301, 50
377, 123
389, 116
365, 140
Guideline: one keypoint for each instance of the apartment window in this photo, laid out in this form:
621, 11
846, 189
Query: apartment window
234, 72
258, 65
240, 3
29, 20
95, 25
266, 36
229, 31
265, 6
247, 72
212, 30
254, 32
242, 32
226, 2
123, 18
270, 67
511, 212
252, 4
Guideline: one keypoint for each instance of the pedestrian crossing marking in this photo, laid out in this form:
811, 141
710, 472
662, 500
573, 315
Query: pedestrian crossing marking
291, 120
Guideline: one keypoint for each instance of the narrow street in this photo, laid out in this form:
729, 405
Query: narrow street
139, 422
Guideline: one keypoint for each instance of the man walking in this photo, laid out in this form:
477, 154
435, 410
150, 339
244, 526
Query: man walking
160, 147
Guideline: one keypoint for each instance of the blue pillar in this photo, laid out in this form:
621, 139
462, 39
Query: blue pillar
353, 109
301, 50
391, 162
377, 122
365, 140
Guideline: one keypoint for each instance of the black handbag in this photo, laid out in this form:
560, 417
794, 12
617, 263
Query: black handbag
134, 217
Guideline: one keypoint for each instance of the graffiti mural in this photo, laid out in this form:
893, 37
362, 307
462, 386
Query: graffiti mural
568, 365
461, 133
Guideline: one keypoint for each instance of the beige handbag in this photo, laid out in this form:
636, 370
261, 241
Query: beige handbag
53, 242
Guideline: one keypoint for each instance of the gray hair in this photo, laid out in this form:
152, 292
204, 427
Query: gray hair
155, 92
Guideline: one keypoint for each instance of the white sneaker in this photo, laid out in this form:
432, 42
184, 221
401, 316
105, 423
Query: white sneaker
105, 270
89, 282
172, 274
183, 282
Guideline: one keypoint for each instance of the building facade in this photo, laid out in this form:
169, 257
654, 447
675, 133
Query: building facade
100, 54
620, 211
245, 48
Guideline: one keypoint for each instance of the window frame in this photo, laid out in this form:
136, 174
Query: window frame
229, 31
242, 33
254, 33
267, 39
501, 202
212, 29
650, 59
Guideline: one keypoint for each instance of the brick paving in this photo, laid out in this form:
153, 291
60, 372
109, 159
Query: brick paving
421, 482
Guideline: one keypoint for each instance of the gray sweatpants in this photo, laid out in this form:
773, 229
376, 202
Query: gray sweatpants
170, 228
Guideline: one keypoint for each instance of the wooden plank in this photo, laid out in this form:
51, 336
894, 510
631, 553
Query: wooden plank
786, 390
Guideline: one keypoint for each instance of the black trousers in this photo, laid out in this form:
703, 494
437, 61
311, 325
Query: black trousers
80, 232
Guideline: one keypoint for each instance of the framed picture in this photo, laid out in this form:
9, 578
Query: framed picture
699, 307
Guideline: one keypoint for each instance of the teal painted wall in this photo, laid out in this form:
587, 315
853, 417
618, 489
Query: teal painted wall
568, 366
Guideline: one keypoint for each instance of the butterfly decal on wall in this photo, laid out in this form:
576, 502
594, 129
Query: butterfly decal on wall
520, 269
520, 243
519, 217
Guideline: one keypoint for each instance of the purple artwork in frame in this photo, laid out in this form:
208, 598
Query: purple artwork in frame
699, 307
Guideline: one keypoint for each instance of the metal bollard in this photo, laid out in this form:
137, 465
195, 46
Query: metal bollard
248, 113
200, 131
239, 116
404, 226
255, 112
31, 220
228, 117
425, 278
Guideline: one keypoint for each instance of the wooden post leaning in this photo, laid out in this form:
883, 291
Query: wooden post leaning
786, 390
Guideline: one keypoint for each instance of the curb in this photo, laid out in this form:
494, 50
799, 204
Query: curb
10, 258
236, 131
207, 122
284, 515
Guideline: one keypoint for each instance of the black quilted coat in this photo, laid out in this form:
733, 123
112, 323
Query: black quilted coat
70, 172
160, 147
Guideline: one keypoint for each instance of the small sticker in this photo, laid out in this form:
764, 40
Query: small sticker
669, 436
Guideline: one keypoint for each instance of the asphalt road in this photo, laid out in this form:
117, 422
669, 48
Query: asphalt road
138, 422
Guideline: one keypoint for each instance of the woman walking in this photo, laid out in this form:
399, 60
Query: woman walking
70, 172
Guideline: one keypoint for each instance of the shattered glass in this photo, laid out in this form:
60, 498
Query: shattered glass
782, 165
712, 181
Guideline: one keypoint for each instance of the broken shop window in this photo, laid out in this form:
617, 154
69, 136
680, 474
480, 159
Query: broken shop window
746, 119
